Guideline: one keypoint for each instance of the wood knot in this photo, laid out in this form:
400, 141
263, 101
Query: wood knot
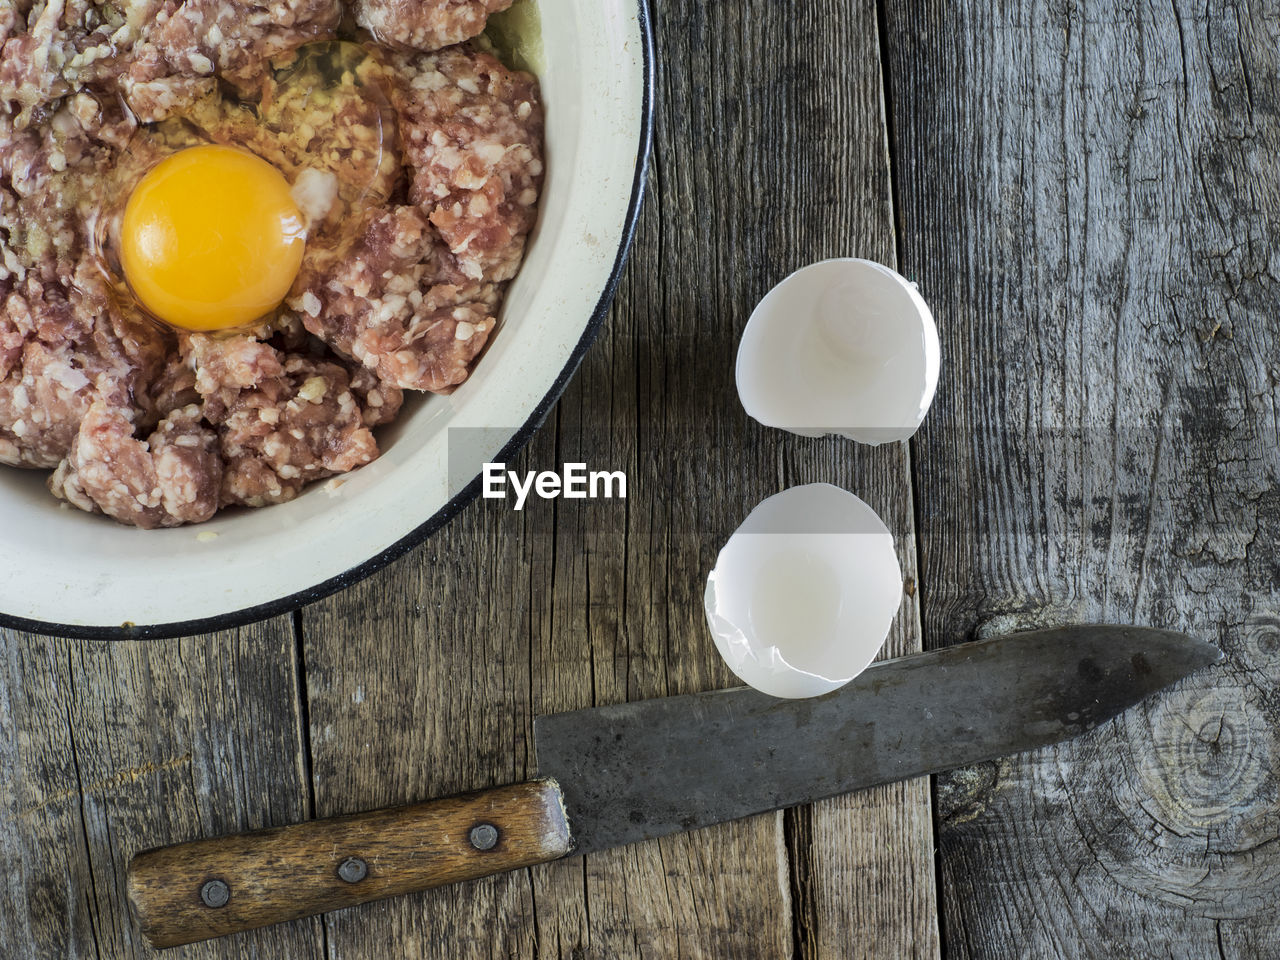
1184, 808
1213, 759
965, 793
1256, 648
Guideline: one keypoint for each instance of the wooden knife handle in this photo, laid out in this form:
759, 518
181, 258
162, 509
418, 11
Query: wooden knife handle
208, 888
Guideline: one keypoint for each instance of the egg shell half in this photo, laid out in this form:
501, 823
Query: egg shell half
804, 593
845, 347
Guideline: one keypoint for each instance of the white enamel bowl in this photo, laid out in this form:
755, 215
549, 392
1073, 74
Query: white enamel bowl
68, 573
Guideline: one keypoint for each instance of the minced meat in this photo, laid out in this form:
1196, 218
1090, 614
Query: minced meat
170, 479
426, 26
419, 166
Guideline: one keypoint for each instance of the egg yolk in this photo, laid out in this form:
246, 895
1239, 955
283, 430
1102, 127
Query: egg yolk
211, 239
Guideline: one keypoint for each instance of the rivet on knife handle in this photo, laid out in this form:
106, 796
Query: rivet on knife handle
209, 888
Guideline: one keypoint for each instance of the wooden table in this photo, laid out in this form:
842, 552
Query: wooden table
1089, 195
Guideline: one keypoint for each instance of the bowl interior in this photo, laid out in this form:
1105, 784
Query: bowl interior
64, 571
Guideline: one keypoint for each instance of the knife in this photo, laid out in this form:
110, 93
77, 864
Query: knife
621, 774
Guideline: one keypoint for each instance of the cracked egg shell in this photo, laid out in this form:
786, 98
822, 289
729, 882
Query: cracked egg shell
804, 593
842, 346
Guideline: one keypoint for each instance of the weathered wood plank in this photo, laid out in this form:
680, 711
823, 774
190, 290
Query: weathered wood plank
871, 854
1091, 195
585, 603
108, 748
872, 885
802, 175
419, 687
48, 897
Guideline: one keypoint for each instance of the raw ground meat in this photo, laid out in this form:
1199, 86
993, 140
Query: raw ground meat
471, 132
417, 297
189, 41
54, 48
174, 387
60, 350
379, 401
426, 24
65, 339
171, 479
420, 174
391, 306
282, 419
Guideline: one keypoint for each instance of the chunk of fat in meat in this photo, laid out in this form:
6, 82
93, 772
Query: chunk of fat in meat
170, 479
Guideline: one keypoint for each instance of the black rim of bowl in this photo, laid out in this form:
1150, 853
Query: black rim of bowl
273, 608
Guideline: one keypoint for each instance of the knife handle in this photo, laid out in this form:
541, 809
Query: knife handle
209, 888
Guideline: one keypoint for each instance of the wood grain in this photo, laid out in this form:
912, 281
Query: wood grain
304, 869
106, 748
1090, 193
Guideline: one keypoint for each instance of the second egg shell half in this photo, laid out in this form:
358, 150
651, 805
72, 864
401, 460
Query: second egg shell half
803, 595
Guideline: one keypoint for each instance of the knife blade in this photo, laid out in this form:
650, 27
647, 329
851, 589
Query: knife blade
621, 774
636, 771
